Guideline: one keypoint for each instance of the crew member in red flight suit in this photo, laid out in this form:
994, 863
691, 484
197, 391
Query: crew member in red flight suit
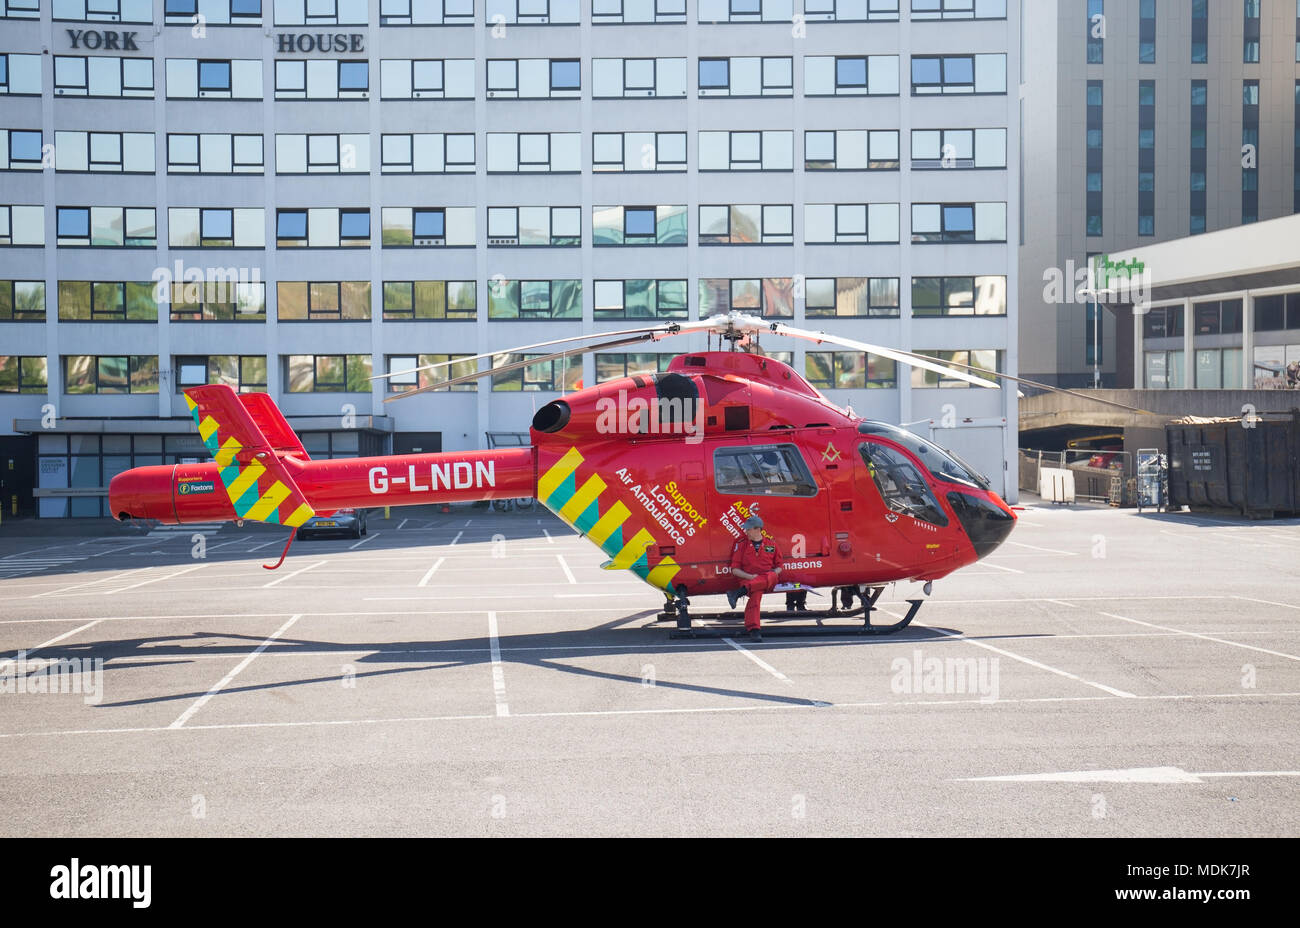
756, 562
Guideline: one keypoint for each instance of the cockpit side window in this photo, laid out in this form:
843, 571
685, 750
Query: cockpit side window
900, 484
770, 470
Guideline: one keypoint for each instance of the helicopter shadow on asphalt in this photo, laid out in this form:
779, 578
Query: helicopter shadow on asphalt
138, 653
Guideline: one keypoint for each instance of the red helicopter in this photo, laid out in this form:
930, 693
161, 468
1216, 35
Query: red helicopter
659, 471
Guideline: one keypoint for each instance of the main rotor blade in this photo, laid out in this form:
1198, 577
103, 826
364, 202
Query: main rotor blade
667, 327
895, 354
516, 365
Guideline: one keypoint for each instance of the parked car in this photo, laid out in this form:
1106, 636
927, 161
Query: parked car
344, 521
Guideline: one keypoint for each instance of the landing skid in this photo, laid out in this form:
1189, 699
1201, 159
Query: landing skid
678, 610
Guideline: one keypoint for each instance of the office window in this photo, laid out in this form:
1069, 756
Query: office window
106, 226
1146, 197
23, 374
320, 12
216, 227
533, 78
22, 301
322, 154
107, 301
321, 79
1096, 33
119, 374
1250, 142
638, 225
640, 299
404, 375
534, 152
426, 79
428, 153
533, 11
746, 77
534, 299
22, 225
850, 297
20, 9
959, 296
215, 153
242, 373
1218, 317
426, 12
428, 226
1147, 31
1163, 322
638, 11
934, 149
1200, 31
1250, 32
322, 228
1199, 113
746, 11
561, 375
617, 365
322, 301
215, 12
959, 222
20, 150
234, 298
849, 370
326, 373
213, 79
746, 151
420, 300
108, 152
769, 297
850, 223
959, 9
958, 74
828, 76
613, 78
1094, 158
748, 224
984, 359
638, 151
852, 11
850, 150
534, 225
1164, 370
20, 75
99, 76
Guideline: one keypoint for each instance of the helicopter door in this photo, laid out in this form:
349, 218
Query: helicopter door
775, 481
908, 509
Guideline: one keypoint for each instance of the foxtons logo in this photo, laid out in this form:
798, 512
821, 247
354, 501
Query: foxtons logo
88, 881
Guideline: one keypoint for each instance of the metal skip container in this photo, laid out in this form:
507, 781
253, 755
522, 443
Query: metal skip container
1249, 465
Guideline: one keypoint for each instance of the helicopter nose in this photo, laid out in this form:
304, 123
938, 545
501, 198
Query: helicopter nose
985, 518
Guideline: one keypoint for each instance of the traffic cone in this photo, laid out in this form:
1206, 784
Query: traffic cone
446, 507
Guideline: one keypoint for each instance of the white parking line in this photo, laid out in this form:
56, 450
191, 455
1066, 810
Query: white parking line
498, 672
1020, 544
458, 534
202, 700
6, 664
565, 567
1267, 602
1010, 570
77, 586
424, 581
400, 524
1032, 663
549, 539
262, 545
364, 540
184, 570
760, 662
301, 570
1235, 644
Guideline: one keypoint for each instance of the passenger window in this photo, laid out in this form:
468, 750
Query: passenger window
900, 484
767, 470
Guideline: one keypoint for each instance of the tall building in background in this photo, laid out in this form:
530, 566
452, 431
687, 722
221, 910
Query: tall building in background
1146, 121
320, 192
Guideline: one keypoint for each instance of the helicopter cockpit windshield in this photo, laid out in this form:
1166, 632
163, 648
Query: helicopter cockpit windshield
945, 465
900, 484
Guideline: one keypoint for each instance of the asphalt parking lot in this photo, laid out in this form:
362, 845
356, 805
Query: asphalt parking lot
476, 673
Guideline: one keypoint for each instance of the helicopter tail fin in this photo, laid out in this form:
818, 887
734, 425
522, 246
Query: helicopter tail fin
246, 435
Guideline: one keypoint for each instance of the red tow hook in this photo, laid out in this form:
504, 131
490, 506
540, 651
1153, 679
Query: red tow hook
285, 553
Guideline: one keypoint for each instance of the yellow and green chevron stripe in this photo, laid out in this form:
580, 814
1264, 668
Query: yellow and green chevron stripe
579, 506
255, 492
